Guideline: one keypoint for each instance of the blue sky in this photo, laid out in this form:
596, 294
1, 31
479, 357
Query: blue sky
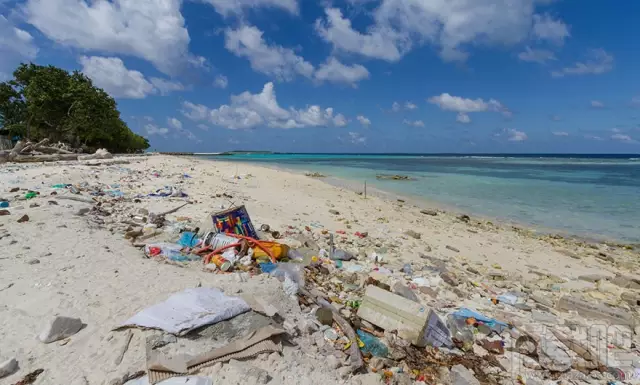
350, 75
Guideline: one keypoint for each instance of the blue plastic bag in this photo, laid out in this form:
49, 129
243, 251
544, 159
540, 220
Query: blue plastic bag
188, 239
372, 345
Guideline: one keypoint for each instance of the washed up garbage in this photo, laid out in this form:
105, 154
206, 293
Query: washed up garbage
341, 255
372, 345
392, 312
437, 333
267, 267
235, 220
170, 251
30, 195
4, 204
291, 276
278, 250
186, 380
493, 324
188, 310
188, 239
462, 331
169, 191
256, 342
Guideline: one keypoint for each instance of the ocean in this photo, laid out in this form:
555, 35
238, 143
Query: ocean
592, 196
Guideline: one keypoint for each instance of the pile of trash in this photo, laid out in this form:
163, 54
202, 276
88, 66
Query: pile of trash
438, 321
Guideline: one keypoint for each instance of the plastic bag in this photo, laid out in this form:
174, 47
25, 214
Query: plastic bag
291, 275
341, 255
188, 239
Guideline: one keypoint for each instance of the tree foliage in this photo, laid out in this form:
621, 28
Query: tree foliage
49, 102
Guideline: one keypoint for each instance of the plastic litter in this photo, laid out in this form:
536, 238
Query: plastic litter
372, 345
4, 204
188, 239
189, 310
493, 324
341, 255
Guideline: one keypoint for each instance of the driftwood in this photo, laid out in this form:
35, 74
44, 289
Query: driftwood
43, 158
16, 150
75, 198
354, 351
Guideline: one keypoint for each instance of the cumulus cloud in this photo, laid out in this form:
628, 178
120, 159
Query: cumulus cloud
153, 129
413, 123
397, 107
400, 25
110, 74
273, 60
598, 61
464, 106
516, 136
236, 7
596, 104
593, 137
546, 28
151, 30
364, 120
203, 127
463, 118
335, 72
165, 87
560, 133
539, 56
356, 138
623, 138
175, 123
247, 111
16, 45
221, 81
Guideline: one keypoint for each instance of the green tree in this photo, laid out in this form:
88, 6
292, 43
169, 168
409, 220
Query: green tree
49, 102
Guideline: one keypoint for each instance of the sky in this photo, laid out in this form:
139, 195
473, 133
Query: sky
468, 76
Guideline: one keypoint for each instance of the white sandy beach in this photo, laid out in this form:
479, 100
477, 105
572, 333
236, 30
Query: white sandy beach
60, 263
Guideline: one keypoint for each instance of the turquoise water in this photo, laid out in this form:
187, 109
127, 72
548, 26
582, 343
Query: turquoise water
589, 195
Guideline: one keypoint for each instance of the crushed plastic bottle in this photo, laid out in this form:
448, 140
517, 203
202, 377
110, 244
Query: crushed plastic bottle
461, 332
372, 345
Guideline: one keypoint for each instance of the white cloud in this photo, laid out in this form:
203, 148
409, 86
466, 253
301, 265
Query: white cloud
16, 45
151, 30
596, 104
539, 56
516, 136
110, 74
380, 43
410, 106
598, 61
395, 107
195, 111
235, 7
463, 118
451, 26
623, 138
153, 129
465, 106
175, 123
560, 133
364, 120
336, 72
414, 123
592, 137
221, 82
247, 110
273, 60
546, 28
356, 138
203, 127
165, 87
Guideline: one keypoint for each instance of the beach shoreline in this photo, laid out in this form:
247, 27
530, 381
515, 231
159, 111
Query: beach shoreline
430, 204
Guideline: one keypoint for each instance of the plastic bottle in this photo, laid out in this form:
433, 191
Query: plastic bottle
4, 204
372, 345
461, 332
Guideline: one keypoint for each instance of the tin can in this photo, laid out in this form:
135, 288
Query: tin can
220, 261
218, 240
